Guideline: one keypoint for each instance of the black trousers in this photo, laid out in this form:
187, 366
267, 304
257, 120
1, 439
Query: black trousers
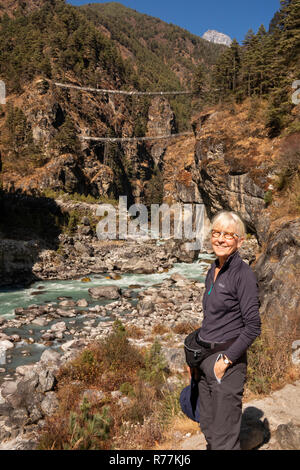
220, 403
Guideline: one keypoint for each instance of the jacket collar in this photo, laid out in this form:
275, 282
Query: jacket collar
231, 259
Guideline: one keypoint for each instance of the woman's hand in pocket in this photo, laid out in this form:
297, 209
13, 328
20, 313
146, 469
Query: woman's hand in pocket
220, 368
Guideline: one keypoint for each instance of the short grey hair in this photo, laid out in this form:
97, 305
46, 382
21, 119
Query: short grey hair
226, 218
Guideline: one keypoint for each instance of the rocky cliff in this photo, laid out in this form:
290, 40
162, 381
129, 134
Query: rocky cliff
233, 169
98, 169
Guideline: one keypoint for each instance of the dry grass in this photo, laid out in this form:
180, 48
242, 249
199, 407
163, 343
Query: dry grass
286, 195
184, 328
160, 329
269, 358
136, 332
180, 424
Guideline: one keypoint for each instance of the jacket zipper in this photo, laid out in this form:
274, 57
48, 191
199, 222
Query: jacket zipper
213, 283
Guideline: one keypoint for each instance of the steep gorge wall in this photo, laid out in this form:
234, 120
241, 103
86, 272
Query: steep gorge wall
234, 173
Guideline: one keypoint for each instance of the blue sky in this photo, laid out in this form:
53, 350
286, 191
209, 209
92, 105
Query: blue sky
232, 17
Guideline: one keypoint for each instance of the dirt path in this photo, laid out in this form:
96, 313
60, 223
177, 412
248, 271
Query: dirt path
281, 407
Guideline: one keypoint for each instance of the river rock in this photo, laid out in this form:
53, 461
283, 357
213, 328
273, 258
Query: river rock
5, 344
136, 266
93, 395
145, 307
15, 338
5, 410
51, 357
3, 337
24, 395
107, 292
82, 303
48, 336
66, 313
59, 326
25, 369
176, 277
68, 345
18, 417
84, 249
67, 303
8, 388
19, 311
40, 321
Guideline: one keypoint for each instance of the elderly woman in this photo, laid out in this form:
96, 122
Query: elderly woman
231, 321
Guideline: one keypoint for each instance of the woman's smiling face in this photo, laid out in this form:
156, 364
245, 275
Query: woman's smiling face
223, 247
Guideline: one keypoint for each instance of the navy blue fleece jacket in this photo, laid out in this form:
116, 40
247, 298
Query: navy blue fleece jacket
231, 306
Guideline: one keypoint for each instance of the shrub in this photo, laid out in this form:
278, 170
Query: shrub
127, 389
269, 357
72, 222
88, 431
268, 197
85, 368
155, 369
66, 139
111, 361
117, 353
82, 430
143, 405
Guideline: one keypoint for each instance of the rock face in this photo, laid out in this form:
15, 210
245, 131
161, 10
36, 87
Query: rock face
16, 260
218, 38
225, 179
278, 271
84, 167
161, 121
68, 174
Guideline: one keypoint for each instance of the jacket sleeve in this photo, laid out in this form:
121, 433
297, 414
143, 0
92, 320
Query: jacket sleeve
247, 294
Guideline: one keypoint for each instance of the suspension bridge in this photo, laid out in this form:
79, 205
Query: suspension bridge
128, 93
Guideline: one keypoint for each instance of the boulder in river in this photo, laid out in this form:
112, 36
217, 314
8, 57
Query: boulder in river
5, 344
107, 292
82, 303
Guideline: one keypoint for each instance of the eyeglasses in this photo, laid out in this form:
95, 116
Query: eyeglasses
227, 235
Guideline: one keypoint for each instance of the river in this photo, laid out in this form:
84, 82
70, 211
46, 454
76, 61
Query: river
51, 292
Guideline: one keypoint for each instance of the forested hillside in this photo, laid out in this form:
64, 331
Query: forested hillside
110, 46
98, 45
163, 55
265, 66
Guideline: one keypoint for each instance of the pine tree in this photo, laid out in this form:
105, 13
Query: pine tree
248, 62
263, 59
289, 44
226, 72
200, 79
